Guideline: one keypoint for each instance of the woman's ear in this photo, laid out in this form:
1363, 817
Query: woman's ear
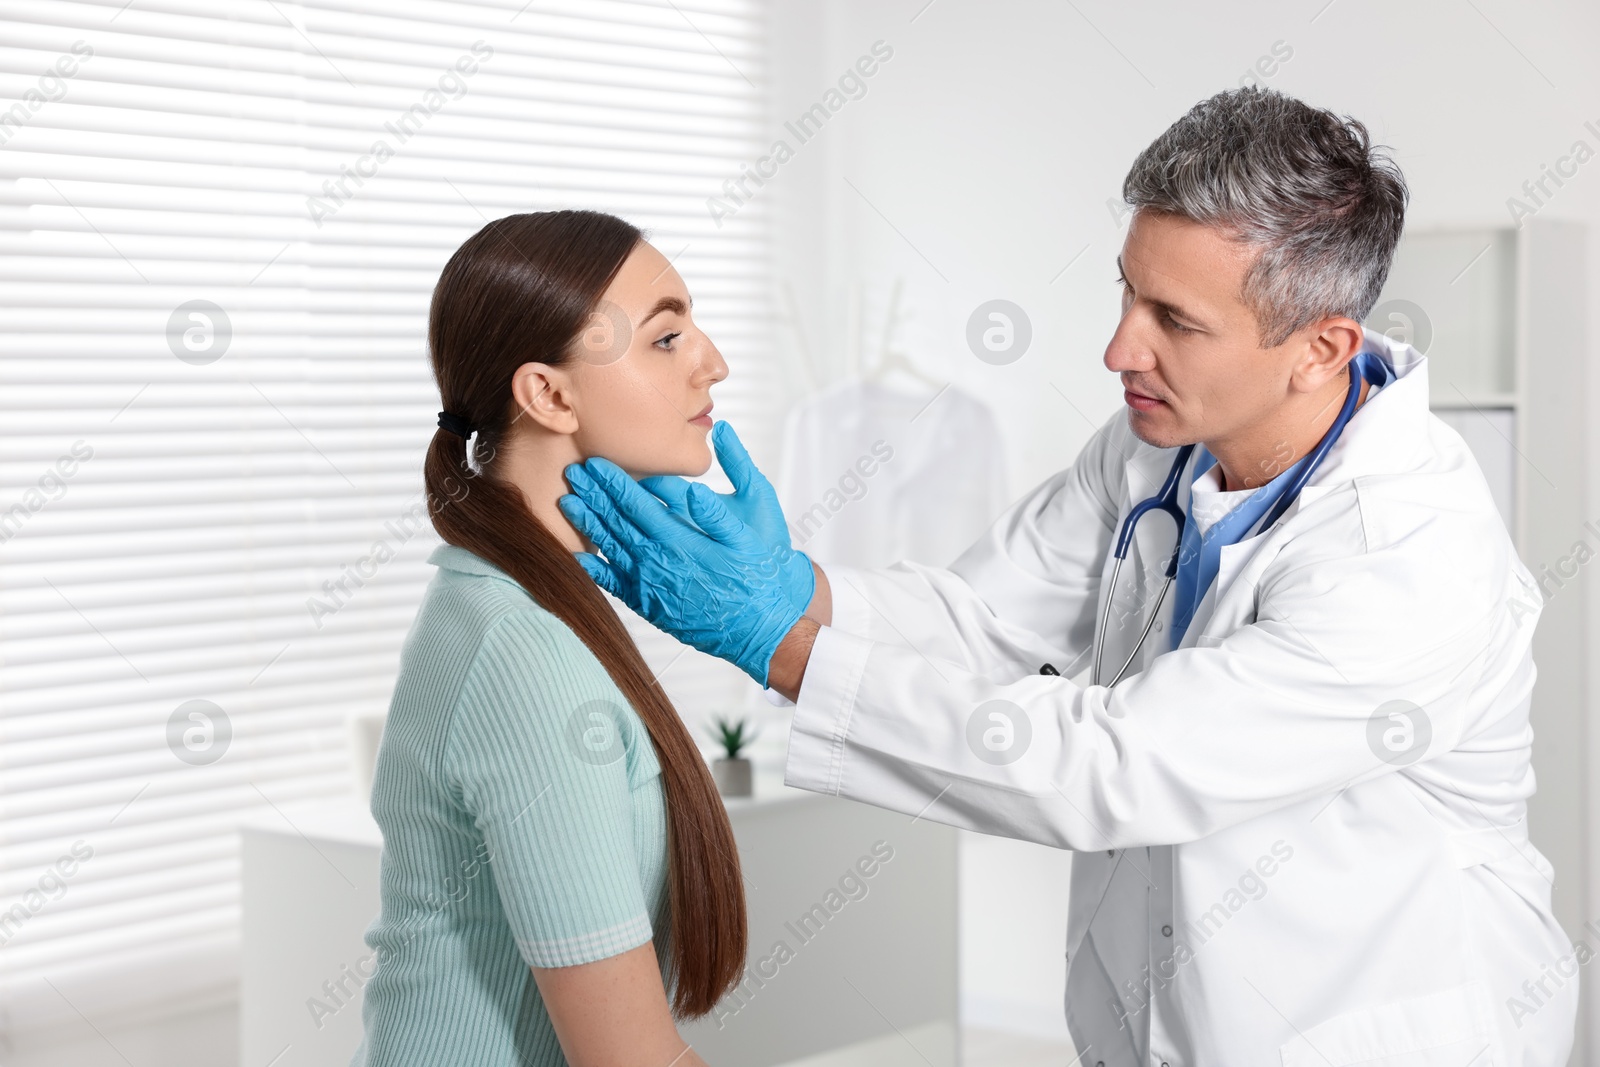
543, 392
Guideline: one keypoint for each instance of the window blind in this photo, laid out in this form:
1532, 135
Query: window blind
220, 221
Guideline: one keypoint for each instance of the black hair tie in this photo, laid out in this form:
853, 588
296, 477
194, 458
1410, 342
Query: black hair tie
455, 424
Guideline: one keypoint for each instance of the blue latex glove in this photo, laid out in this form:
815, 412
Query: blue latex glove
709, 581
753, 502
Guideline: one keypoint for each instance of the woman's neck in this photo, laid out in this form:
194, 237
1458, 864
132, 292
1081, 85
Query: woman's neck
535, 467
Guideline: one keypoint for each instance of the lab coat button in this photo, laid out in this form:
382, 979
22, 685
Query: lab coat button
1111, 852
1157, 629
1166, 931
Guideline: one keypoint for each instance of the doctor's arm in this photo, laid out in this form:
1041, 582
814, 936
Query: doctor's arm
1283, 710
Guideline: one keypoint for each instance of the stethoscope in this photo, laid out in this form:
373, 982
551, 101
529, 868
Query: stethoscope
1167, 500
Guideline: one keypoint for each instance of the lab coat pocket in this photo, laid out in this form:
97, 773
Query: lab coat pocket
1444, 1029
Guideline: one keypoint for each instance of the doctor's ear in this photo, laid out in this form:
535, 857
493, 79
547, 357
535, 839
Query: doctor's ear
543, 394
1330, 344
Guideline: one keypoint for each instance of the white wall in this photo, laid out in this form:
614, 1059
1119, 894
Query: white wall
979, 163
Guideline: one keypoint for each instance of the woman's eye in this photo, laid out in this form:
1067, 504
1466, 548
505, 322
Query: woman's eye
666, 342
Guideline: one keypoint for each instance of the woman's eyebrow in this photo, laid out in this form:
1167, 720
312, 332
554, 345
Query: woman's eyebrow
666, 303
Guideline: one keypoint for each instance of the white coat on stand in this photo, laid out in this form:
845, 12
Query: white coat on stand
874, 473
1301, 836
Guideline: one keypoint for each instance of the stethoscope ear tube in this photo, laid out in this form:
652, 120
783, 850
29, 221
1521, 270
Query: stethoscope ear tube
1166, 500
1105, 615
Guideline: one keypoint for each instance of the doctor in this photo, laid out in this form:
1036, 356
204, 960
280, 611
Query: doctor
1299, 813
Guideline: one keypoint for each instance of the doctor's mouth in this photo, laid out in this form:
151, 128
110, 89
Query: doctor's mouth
1140, 402
1139, 399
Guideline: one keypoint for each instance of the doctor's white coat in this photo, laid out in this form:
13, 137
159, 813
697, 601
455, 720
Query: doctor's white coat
1301, 836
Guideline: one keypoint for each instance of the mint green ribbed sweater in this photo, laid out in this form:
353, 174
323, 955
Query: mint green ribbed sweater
523, 825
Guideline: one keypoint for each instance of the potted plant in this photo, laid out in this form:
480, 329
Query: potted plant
732, 771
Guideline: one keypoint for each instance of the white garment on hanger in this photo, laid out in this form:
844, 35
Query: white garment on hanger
874, 473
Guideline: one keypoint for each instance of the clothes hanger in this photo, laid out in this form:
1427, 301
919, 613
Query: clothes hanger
807, 361
892, 359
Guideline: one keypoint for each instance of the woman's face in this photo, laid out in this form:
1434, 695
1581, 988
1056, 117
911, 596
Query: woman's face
641, 380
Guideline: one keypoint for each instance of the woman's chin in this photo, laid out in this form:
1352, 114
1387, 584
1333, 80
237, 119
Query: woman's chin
695, 470
696, 459
687, 462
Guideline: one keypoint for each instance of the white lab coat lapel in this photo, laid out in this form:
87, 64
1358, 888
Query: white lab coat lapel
1230, 602
1139, 582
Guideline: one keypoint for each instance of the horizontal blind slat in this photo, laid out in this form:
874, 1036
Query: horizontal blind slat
215, 541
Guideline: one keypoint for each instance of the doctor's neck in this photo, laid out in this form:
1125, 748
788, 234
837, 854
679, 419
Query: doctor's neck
1259, 453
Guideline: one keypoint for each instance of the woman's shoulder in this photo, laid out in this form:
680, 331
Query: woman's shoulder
530, 676
479, 605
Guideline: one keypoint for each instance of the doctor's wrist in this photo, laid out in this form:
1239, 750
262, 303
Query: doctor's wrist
821, 606
788, 667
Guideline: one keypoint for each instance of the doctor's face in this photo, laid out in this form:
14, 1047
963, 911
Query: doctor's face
1188, 348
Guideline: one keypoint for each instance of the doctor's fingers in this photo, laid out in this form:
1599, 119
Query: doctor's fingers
734, 460
712, 515
592, 495
591, 526
671, 490
611, 490
603, 574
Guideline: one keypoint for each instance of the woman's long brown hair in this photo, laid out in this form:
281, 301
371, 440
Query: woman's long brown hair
518, 291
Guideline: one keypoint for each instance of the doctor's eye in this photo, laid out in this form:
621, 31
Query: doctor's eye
665, 342
1175, 325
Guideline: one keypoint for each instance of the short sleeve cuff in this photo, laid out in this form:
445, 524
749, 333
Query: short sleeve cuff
586, 948
822, 714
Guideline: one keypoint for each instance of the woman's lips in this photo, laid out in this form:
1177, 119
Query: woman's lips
1139, 402
703, 420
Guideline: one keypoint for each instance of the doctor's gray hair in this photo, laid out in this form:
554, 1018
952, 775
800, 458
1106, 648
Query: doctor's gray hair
1306, 187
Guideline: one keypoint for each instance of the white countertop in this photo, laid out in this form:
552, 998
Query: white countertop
347, 818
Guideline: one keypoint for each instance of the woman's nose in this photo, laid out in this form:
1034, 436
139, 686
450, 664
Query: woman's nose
713, 368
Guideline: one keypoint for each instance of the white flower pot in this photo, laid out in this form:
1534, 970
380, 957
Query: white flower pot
733, 776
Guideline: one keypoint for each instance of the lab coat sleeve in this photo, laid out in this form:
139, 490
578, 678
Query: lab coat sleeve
1024, 595
1286, 708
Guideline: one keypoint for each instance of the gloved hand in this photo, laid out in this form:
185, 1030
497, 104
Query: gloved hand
753, 502
709, 581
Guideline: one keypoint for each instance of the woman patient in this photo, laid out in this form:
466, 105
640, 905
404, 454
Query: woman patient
559, 877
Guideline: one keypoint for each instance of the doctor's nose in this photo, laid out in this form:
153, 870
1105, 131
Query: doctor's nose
1126, 351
